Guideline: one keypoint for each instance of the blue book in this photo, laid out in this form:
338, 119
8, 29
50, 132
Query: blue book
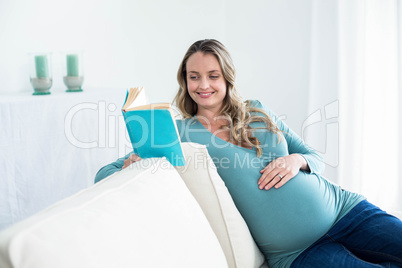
152, 128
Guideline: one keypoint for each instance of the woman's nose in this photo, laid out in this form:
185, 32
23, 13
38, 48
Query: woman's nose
204, 84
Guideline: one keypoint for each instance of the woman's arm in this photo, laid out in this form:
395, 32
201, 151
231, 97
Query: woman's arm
301, 157
111, 168
296, 145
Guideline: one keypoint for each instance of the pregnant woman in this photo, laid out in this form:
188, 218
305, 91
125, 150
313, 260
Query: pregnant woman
296, 216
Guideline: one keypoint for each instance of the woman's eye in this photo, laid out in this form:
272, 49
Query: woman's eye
193, 77
214, 77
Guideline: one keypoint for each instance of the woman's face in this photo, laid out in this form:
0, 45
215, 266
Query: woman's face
205, 82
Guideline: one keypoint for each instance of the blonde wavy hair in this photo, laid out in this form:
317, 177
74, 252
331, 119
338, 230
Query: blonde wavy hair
239, 114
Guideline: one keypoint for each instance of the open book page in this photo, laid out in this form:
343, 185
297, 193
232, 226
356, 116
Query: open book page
152, 128
152, 106
136, 97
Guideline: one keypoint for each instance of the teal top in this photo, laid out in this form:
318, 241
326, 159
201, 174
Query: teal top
283, 221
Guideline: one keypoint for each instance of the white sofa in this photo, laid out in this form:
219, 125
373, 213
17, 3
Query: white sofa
147, 215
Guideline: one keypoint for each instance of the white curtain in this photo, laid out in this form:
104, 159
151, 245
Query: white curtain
370, 100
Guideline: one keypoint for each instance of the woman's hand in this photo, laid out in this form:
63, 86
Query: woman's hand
281, 170
131, 159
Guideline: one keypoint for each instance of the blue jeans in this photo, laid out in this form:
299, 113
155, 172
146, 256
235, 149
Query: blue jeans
365, 237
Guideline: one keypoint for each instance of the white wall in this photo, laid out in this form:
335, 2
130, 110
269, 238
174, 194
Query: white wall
126, 43
129, 43
286, 56
270, 41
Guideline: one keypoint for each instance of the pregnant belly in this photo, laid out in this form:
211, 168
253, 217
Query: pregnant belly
289, 218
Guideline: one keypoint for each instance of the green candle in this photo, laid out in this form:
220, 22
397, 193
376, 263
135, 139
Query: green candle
41, 66
72, 65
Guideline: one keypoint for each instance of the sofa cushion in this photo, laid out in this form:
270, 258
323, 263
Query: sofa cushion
204, 182
142, 216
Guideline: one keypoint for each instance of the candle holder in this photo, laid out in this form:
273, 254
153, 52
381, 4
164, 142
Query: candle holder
74, 75
41, 73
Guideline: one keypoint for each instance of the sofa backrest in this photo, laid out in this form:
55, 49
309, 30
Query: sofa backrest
204, 182
142, 216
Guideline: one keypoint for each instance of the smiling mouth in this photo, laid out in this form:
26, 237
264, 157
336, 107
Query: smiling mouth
205, 94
